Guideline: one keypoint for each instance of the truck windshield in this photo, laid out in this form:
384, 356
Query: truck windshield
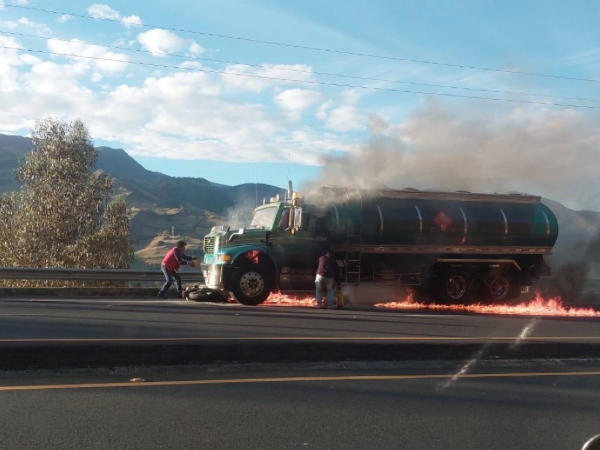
264, 218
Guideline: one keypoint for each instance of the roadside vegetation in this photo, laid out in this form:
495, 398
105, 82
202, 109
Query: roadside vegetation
64, 214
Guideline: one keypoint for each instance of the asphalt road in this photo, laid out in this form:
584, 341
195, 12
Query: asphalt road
529, 406
80, 320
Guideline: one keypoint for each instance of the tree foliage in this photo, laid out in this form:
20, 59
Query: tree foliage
63, 215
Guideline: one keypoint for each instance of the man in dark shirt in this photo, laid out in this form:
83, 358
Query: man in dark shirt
170, 268
326, 280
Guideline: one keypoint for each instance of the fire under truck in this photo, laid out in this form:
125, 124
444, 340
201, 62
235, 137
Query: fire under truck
454, 247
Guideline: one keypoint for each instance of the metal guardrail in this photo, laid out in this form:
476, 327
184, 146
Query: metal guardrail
24, 273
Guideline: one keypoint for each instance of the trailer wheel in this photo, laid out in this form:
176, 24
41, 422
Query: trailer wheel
454, 287
503, 287
251, 284
500, 288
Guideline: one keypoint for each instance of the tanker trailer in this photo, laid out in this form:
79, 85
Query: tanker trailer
450, 246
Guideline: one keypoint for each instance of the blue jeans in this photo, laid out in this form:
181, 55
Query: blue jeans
322, 284
170, 276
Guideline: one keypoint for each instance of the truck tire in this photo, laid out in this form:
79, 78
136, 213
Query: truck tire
454, 287
503, 288
251, 284
500, 288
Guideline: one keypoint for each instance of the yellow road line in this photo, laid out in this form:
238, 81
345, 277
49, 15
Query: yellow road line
294, 380
310, 338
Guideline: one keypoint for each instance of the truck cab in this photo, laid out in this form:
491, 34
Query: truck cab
278, 250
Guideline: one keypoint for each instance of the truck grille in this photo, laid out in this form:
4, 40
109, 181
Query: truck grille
209, 245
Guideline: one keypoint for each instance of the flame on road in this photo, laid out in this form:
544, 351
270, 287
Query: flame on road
279, 299
536, 307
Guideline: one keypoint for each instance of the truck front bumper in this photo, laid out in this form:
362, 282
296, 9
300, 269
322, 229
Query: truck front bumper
213, 276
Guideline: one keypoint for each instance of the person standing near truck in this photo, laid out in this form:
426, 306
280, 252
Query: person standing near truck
170, 265
326, 280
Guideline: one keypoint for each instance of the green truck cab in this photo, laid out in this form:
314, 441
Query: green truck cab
452, 246
276, 251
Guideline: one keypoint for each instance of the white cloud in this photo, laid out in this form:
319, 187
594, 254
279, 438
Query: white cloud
191, 65
256, 79
297, 99
196, 49
39, 28
101, 11
9, 41
343, 115
10, 60
9, 25
324, 109
77, 47
64, 18
20, 2
24, 22
181, 115
29, 59
345, 118
132, 21
161, 41
350, 96
58, 81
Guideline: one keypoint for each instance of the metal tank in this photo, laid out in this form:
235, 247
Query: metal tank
421, 218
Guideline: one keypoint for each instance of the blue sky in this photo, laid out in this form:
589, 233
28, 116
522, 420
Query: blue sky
230, 129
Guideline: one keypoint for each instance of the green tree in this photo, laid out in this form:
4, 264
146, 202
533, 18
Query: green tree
63, 215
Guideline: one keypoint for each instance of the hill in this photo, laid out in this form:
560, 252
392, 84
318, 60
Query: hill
12, 148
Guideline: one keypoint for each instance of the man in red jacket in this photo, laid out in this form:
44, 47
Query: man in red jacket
170, 268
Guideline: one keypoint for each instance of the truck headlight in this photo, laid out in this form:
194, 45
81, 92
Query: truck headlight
224, 258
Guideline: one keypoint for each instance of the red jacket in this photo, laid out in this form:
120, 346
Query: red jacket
174, 259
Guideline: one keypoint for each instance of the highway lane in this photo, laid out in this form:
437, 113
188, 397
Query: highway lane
546, 406
57, 319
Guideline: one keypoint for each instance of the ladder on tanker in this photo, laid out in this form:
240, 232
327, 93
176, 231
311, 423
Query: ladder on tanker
354, 234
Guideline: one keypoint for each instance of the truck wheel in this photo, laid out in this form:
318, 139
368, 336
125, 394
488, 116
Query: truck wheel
503, 288
500, 288
454, 287
251, 284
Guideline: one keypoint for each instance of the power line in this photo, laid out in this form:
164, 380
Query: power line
290, 69
306, 47
313, 82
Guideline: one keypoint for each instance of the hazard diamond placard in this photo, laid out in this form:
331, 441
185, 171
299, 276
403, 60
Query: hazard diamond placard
443, 220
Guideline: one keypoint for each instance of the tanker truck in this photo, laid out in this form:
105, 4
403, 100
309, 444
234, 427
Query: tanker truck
452, 247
